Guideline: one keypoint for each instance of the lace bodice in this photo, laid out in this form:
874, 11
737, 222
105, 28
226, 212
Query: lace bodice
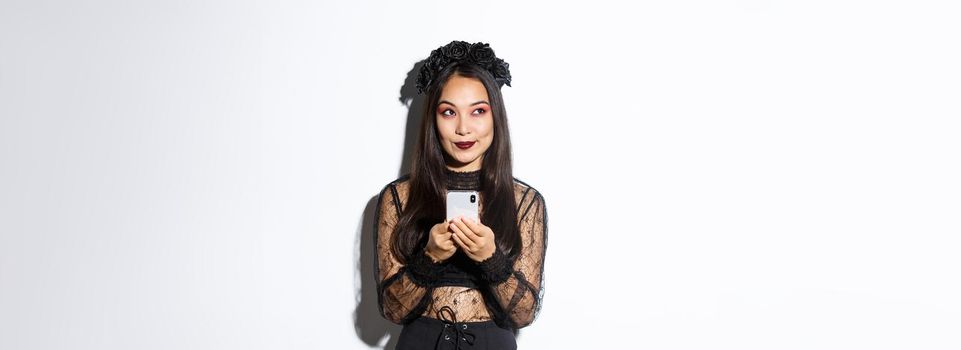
508, 292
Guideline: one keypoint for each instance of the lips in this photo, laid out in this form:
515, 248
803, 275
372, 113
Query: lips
464, 145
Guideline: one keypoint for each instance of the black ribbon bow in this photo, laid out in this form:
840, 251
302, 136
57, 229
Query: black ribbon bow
452, 328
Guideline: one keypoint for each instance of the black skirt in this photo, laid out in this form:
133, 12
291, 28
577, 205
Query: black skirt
431, 333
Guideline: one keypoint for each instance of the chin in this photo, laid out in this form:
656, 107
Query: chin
466, 161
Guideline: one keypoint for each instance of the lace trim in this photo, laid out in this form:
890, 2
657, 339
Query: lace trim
468, 180
425, 271
495, 269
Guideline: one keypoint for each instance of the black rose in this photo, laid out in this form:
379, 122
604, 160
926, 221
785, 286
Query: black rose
423, 78
501, 71
461, 51
436, 61
456, 50
481, 53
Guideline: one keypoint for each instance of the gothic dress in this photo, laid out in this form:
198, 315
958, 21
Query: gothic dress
459, 303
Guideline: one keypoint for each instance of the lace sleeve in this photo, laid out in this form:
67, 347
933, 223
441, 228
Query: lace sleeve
518, 286
403, 291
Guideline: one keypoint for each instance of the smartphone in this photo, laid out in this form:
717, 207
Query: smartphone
462, 203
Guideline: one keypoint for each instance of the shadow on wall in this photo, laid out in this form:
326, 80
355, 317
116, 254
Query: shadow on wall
370, 326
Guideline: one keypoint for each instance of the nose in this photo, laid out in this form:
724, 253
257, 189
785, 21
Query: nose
461, 126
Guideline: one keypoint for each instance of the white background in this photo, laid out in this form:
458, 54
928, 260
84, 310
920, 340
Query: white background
718, 175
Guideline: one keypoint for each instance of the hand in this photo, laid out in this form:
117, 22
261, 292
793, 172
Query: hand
439, 244
474, 238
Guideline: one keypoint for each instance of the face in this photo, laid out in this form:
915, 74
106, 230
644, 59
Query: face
464, 122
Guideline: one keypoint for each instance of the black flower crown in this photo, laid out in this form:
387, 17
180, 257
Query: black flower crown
480, 54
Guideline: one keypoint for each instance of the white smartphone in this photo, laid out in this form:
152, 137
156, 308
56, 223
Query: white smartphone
462, 203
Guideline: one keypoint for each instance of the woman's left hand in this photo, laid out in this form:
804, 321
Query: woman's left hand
474, 238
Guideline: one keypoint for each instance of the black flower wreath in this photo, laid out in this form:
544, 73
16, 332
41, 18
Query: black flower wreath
478, 53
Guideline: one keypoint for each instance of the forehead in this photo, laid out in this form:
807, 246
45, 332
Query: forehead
463, 91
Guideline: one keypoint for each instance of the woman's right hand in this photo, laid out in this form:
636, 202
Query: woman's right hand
440, 245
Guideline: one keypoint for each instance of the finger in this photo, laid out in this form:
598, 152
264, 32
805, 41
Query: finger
438, 232
461, 223
474, 236
474, 226
465, 243
462, 228
483, 230
444, 236
444, 240
460, 242
480, 231
468, 243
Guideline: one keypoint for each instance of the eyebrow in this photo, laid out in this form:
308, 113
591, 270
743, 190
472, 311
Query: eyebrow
448, 102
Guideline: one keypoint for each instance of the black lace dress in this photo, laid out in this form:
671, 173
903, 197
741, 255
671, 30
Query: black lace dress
509, 293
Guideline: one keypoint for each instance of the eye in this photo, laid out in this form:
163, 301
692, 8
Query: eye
444, 112
482, 111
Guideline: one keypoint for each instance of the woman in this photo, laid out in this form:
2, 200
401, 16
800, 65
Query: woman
461, 284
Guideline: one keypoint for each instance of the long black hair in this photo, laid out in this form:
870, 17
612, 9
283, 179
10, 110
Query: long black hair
428, 181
